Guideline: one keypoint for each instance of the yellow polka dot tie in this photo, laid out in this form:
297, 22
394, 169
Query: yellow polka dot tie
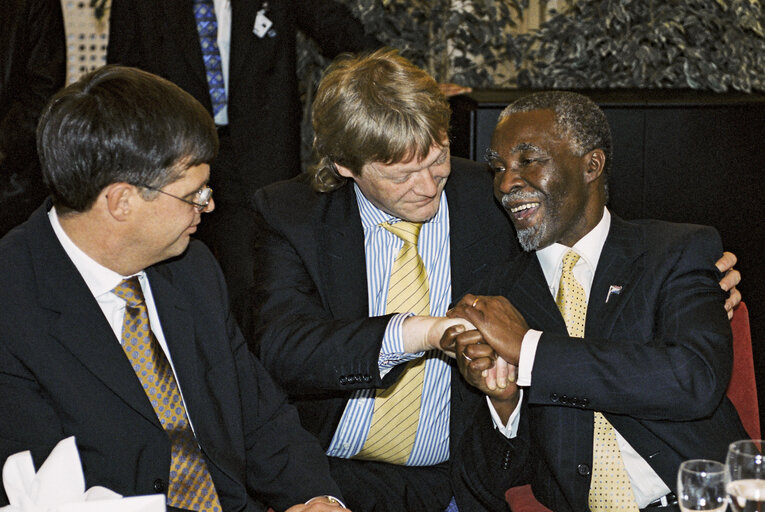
397, 408
191, 486
610, 487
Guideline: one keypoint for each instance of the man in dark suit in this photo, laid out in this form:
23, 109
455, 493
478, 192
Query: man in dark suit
644, 389
322, 326
259, 122
125, 155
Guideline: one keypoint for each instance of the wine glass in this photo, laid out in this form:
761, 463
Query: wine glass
745, 475
701, 485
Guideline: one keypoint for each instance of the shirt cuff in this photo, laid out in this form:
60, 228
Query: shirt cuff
510, 429
392, 350
526, 359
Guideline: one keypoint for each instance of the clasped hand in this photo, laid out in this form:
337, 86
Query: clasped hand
487, 356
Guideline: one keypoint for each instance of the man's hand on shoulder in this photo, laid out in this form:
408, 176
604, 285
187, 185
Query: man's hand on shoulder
730, 280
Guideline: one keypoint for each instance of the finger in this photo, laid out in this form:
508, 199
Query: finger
727, 261
730, 279
502, 373
478, 349
491, 378
732, 301
449, 338
481, 364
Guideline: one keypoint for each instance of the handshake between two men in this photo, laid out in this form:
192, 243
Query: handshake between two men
484, 335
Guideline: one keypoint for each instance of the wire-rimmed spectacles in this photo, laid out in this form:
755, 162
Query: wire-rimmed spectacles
202, 196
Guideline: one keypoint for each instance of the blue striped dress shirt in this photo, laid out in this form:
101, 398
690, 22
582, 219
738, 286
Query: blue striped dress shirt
431, 444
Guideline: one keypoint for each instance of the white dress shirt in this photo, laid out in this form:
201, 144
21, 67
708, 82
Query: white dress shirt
431, 444
223, 15
646, 484
101, 281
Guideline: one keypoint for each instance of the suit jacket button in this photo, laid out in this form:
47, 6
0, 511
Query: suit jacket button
367, 378
159, 485
583, 469
554, 397
585, 402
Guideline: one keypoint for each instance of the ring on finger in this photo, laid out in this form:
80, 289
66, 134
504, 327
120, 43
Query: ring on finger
466, 356
475, 302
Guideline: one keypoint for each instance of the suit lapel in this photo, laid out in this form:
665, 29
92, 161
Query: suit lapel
468, 245
532, 297
341, 240
183, 29
247, 50
81, 326
619, 268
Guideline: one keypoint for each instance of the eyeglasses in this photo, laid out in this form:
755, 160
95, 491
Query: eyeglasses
203, 196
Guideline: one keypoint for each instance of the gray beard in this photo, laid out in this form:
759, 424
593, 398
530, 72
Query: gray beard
530, 238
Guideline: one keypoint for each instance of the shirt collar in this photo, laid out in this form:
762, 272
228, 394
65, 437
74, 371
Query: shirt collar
588, 247
372, 216
100, 280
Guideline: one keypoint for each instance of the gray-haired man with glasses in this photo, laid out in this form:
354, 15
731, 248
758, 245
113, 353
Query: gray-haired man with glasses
116, 325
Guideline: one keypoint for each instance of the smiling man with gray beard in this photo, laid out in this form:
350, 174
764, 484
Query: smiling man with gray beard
613, 332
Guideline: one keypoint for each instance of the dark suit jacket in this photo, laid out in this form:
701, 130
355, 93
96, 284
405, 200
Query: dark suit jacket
656, 359
313, 329
32, 68
63, 373
263, 102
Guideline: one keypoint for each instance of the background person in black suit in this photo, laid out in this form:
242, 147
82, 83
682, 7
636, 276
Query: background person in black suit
656, 355
125, 155
32, 68
260, 128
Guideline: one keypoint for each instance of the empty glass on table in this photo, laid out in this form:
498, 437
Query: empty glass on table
745, 475
701, 486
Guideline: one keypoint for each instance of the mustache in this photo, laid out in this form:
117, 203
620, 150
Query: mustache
508, 199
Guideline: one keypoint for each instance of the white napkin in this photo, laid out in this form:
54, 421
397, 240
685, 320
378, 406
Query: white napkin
59, 486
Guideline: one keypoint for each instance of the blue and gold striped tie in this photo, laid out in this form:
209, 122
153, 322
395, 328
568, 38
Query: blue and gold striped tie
397, 408
191, 486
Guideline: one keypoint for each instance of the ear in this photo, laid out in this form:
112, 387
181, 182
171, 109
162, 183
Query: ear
595, 164
343, 171
120, 200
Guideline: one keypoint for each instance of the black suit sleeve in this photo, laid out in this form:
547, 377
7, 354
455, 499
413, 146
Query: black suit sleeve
124, 45
333, 27
305, 345
486, 463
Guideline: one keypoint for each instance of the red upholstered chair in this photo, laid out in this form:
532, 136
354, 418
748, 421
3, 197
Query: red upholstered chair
742, 389
521, 499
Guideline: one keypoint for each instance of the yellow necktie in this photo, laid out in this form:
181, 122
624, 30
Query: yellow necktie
397, 408
610, 487
191, 486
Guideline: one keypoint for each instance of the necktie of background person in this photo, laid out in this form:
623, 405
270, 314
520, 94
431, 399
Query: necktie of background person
610, 487
207, 28
191, 486
397, 408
